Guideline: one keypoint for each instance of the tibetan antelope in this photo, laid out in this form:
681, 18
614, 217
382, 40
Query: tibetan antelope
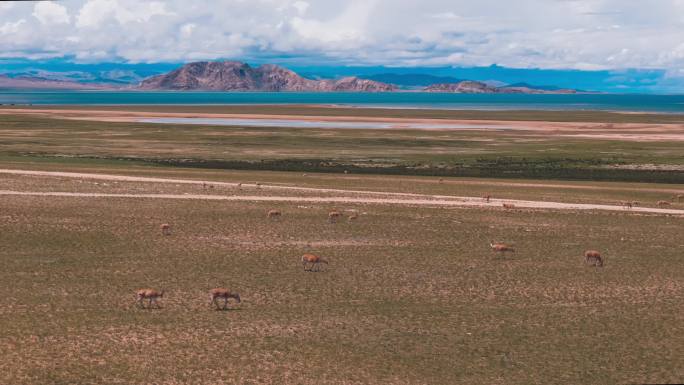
258, 184
487, 198
501, 248
219, 292
333, 216
593, 257
663, 203
150, 295
239, 186
627, 205
441, 180
314, 260
353, 217
508, 206
274, 214
678, 197
165, 228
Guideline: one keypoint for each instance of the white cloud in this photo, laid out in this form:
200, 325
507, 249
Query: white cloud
96, 12
301, 6
48, 12
525, 33
11, 27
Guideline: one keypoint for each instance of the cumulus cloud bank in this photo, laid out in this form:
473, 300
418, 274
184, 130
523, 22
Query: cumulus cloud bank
575, 34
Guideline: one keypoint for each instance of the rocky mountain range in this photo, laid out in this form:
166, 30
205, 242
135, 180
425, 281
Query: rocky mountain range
25, 82
238, 76
473, 87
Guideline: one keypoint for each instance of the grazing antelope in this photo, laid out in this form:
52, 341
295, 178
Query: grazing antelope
508, 206
663, 203
239, 186
353, 217
501, 248
678, 197
635, 203
165, 228
441, 180
627, 205
593, 257
333, 216
314, 260
274, 214
258, 184
219, 292
487, 198
150, 295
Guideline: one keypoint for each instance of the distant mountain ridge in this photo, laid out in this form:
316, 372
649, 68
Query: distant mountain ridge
411, 80
475, 87
238, 76
25, 82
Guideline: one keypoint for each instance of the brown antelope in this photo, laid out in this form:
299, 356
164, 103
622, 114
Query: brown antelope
487, 198
627, 205
501, 248
353, 217
225, 294
150, 295
258, 184
165, 228
678, 197
314, 260
274, 214
593, 257
239, 186
635, 203
508, 206
663, 203
334, 215
441, 180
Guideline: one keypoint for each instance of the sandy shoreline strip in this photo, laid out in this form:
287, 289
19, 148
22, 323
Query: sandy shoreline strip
598, 131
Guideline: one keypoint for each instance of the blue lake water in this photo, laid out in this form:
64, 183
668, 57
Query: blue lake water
628, 102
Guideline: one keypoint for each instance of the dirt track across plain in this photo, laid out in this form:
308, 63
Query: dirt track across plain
371, 197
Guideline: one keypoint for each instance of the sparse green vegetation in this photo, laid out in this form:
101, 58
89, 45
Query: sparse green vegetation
474, 153
411, 295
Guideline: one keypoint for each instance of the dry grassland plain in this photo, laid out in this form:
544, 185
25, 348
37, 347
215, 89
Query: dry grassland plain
412, 294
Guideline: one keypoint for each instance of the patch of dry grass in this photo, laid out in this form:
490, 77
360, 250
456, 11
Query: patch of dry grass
411, 295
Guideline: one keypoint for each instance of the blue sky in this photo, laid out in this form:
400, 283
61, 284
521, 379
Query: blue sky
602, 45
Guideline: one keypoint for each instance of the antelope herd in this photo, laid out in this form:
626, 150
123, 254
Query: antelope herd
313, 263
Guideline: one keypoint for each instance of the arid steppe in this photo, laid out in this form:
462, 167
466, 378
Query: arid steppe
412, 294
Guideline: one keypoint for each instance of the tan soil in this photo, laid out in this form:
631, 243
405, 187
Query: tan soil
623, 131
380, 197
